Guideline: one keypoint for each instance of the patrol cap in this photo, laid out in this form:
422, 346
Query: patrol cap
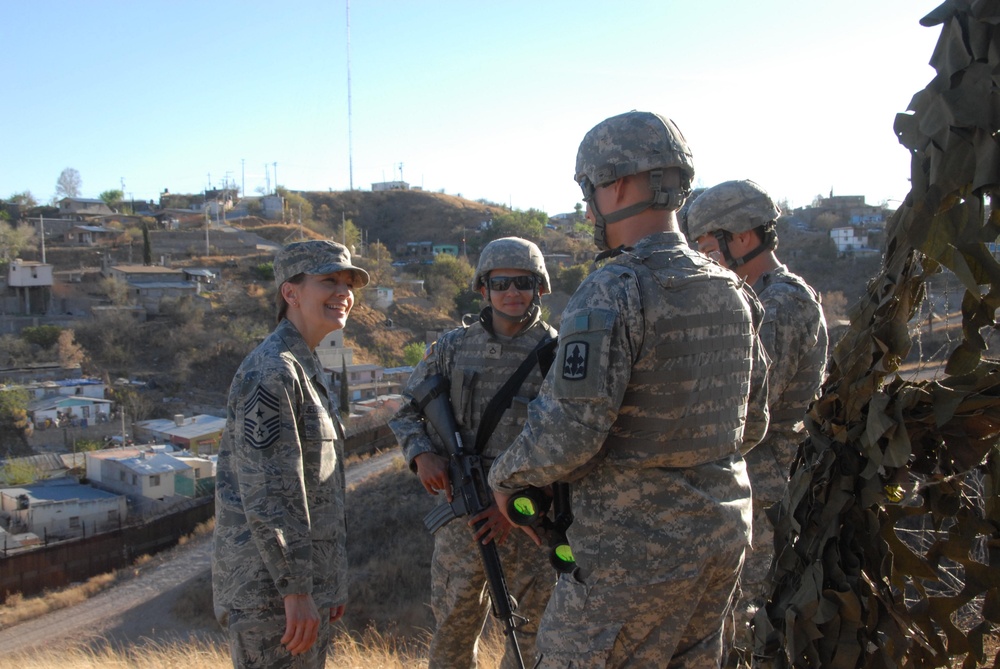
320, 256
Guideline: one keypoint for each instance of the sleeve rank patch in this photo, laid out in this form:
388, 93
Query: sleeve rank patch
261, 419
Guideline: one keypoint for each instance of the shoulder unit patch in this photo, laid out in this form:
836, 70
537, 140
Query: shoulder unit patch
575, 362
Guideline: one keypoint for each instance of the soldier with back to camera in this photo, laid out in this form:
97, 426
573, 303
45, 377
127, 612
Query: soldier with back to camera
658, 382
734, 223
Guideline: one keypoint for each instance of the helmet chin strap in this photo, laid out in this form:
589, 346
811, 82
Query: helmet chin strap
732, 263
671, 198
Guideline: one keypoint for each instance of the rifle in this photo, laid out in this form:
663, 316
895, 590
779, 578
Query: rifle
470, 495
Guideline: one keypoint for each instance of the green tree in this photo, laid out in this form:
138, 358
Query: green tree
568, 279
446, 279
378, 263
68, 184
15, 428
528, 224
413, 353
43, 336
115, 289
112, 198
147, 248
297, 208
347, 234
13, 240
19, 473
265, 270
24, 199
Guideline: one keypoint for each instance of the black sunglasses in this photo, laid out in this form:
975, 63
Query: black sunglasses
502, 283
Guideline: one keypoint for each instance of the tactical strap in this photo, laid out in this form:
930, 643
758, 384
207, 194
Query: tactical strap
542, 355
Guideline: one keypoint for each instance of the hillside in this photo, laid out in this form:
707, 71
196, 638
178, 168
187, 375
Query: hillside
397, 217
192, 348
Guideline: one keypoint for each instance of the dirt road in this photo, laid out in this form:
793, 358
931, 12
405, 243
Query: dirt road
139, 610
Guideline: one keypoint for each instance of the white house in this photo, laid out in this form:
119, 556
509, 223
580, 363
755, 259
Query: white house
148, 474
77, 409
851, 238
62, 508
32, 282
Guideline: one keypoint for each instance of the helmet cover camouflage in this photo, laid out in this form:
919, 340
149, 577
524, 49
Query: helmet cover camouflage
511, 253
733, 206
629, 144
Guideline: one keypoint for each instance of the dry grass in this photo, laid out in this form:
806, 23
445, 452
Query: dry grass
368, 650
17, 608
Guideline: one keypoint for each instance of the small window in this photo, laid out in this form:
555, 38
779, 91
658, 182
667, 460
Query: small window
74, 522
154, 480
121, 475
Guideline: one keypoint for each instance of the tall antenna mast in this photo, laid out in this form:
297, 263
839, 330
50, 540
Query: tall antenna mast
350, 140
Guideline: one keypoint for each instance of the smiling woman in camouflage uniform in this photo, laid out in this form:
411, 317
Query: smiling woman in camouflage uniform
279, 568
645, 411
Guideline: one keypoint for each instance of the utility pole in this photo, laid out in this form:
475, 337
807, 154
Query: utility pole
243, 177
275, 176
350, 144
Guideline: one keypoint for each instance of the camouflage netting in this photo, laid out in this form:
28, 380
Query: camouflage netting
851, 587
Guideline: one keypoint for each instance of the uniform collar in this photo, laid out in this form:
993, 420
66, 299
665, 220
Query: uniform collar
297, 346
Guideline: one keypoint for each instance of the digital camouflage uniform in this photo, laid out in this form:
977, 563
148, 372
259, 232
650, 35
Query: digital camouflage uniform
645, 411
794, 335
280, 525
477, 362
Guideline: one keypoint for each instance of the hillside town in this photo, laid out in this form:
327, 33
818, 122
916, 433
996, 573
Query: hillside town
92, 464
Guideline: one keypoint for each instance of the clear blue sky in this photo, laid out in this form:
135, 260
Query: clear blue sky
483, 99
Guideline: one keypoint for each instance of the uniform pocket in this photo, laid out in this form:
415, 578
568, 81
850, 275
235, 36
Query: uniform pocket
577, 630
317, 424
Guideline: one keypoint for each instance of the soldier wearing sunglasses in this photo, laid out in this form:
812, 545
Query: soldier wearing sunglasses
477, 360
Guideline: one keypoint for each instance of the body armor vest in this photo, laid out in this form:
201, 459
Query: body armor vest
686, 400
482, 364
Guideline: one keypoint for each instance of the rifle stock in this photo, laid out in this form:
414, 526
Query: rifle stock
470, 495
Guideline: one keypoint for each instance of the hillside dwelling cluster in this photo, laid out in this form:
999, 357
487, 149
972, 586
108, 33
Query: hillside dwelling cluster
78, 402
121, 483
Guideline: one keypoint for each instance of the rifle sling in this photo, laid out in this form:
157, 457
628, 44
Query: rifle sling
542, 355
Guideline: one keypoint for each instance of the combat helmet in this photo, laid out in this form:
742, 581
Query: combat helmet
730, 208
512, 253
628, 144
